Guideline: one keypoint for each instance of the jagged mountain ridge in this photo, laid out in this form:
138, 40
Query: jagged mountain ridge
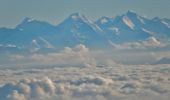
76, 29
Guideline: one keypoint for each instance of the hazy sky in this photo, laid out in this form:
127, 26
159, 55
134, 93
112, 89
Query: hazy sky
54, 11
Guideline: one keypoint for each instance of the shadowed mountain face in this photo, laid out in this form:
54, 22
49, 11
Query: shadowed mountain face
77, 29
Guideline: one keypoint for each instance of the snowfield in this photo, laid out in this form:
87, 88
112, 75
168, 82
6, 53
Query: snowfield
118, 82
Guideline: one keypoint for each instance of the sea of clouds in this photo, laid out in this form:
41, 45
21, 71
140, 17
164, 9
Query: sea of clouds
80, 73
138, 82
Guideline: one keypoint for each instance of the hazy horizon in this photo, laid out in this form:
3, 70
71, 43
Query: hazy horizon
55, 11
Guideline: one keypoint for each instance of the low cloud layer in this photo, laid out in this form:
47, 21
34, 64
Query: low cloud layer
89, 83
144, 52
77, 56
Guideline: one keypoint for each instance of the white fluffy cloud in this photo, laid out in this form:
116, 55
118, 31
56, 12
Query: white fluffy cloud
28, 89
77, 56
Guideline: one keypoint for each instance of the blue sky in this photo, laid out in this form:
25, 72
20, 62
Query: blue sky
54, 11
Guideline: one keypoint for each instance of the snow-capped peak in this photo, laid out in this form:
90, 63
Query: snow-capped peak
104, 20
156, 19
27, 20
128, 22
77, 16
131, 13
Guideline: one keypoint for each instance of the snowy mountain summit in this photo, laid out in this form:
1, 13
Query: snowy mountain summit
78, 29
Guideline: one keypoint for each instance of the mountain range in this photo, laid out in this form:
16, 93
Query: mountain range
34, 35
